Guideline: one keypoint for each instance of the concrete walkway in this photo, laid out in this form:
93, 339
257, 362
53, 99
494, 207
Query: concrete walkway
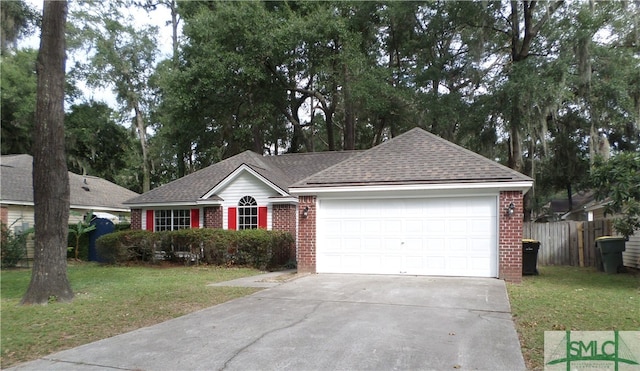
324, 322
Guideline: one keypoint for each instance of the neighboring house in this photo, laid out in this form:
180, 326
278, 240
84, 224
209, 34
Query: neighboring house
416, 204
87, 193
560, 209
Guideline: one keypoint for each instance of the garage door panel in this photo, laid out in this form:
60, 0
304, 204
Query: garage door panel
434, 244
436, 263
412, 245
373, 245
437, 236
480, 226
414, 226
371, 226
391, 244
392, 226
352, 226
333, 226
458, 246
434, 227
456, 226
353, 243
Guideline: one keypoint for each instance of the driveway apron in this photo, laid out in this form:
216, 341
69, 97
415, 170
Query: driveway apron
324, 322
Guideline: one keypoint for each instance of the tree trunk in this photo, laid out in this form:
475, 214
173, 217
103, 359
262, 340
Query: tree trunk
142, 133
329, 125
50, 177
174, 32
349, 134
515, 142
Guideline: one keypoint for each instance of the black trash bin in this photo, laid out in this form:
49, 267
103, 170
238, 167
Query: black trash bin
530, 257
611, 249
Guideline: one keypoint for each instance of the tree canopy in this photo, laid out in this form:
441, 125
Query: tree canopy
544, 87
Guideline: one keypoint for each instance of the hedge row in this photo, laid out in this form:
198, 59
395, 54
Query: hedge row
258, 248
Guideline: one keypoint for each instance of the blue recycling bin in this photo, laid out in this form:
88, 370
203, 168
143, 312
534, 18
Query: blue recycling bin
103, 226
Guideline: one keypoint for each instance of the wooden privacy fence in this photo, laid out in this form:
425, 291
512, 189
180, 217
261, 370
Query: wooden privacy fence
568, 242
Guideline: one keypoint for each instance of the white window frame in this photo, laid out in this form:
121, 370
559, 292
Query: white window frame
247, 213
171, 219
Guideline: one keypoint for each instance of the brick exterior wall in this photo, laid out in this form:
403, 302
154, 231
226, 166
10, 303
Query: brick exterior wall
283, 218
213, 217
306, 254
136, 219
510, 237
4, 214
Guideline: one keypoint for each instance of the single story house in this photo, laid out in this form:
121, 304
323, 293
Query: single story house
416, 204
87, 193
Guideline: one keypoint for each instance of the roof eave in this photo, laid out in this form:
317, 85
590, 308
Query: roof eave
523, 186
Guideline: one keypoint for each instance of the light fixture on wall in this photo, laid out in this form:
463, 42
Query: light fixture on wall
305, 212
510, 209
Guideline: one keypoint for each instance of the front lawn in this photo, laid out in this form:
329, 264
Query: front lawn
109, 301
572, 298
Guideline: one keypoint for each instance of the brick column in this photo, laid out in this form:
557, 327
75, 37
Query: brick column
136, 219
510, 237
283, 219
306, 254
213, 217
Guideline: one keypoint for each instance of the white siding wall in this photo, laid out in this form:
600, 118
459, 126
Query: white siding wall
144, 218
24, 213
246, 185
631, 256
75, 215
18, 217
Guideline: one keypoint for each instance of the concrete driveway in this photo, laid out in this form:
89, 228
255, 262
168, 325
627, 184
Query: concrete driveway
324, 322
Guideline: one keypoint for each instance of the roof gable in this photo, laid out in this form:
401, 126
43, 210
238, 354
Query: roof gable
415, 157
243, 169
278, 171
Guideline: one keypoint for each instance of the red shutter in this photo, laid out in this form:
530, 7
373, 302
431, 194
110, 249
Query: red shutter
232, 218
195, 218
262, 217
150, 220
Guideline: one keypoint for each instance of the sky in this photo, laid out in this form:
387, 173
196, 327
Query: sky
158, 17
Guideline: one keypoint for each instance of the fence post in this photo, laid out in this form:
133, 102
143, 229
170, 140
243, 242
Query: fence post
580, 228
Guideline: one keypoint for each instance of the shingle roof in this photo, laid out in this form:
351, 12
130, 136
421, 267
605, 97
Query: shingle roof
415, 157
281, 170
17, 186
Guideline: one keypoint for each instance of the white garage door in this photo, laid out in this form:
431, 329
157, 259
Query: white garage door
432, 236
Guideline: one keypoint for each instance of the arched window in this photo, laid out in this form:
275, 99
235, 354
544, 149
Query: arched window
247, 213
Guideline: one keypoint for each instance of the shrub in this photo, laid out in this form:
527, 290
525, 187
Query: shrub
122, 227
83, 250
263, 249
258, 248
219, 246
13, 247
126, 246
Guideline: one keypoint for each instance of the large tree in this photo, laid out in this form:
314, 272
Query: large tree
121, 57
50, 178
96, 144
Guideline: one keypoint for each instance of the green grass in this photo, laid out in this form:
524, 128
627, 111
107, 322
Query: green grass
108, 301
572, 298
